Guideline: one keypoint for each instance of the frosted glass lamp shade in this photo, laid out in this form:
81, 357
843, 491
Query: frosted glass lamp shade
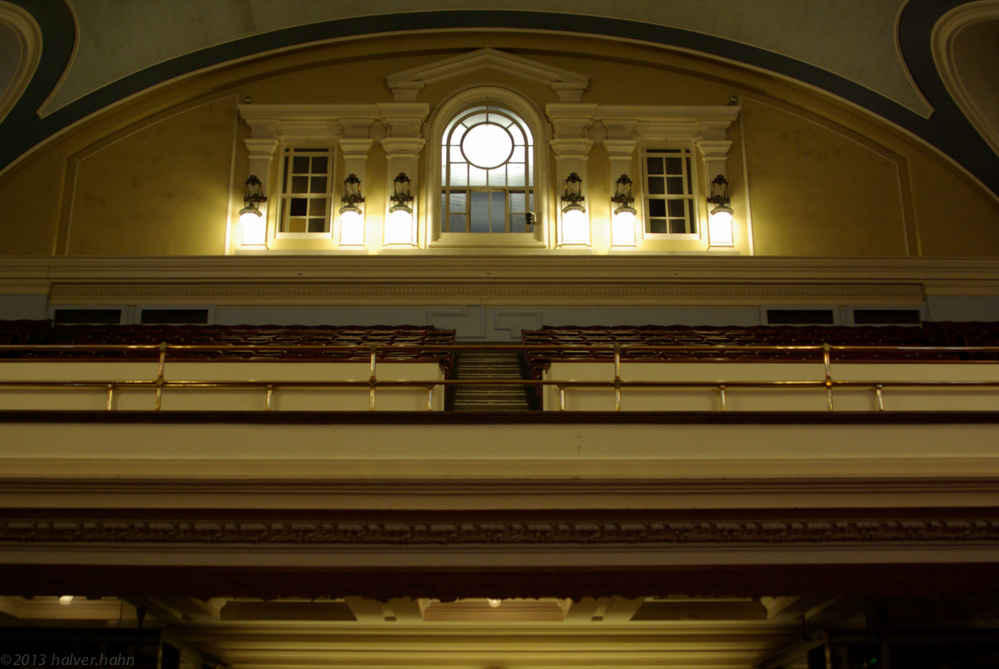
720, 227
254, 226
351, 227
574, 225
400, 226
623, 227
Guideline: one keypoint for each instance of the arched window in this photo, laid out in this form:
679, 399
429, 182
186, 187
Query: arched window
487, 180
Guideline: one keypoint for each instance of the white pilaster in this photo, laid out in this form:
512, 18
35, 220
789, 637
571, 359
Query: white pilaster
355, 161
571, 155
261, 158
715, 152
621, 153
402, 156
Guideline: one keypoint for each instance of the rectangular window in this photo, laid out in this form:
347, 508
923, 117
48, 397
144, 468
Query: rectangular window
670, 204
306, 195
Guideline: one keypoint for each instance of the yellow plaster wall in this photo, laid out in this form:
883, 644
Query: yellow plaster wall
160, 189
816, 191
599, 195
951, 219
30, 212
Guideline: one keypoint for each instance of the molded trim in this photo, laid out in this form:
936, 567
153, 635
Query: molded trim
30, 36
944, 34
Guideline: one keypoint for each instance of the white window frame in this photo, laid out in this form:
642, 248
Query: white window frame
455, 106
468, 189
688, 153
285, 156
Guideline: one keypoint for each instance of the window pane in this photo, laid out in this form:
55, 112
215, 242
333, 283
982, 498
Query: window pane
530, 201
518, 201
296, 225
317, 225
300, 184
457, 202
657, 208
518, 223
674, 166
317, 206
690, 172
675, 185
443, 203
657, 186
518, 155
480, 211
459, 174
497, 177
299, 206
658, 226
654, 165
300, 165
677, 226
515, 174
474, 119
456, 156
318, 185
319, 164
676, 208
458, 223
476, 176
497, 212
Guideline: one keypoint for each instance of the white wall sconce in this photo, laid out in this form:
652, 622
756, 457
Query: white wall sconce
720, 216
573, 211
351, 214
624, 214
251, 219
401, 211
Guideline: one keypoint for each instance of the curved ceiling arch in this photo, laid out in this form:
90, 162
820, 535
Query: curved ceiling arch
910, 26
854, 41
966, 49
20, 52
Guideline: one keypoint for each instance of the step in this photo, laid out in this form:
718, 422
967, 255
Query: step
489, 366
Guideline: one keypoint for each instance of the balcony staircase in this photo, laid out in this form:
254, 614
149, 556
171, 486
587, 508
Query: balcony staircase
489, 365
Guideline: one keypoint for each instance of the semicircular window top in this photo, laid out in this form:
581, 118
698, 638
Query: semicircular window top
488, 181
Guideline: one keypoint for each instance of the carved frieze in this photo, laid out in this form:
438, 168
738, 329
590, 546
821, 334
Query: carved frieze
742, 533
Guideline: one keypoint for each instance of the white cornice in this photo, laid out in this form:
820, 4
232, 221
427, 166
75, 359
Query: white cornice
407, 84
687, 123
303, 121
439, 279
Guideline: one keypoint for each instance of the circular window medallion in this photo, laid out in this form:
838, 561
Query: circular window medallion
487, 145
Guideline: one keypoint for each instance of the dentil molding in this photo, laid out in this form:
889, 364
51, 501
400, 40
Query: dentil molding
595, 532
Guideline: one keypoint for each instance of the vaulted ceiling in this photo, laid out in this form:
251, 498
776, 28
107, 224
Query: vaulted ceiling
919, 64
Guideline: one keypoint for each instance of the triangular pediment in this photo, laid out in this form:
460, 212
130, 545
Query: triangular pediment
407, 84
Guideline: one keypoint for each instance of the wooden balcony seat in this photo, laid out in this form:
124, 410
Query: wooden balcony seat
709, 343
235, 343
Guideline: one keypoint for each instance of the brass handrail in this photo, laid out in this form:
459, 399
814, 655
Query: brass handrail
374, 351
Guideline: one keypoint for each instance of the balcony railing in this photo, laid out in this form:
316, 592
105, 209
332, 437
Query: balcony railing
984, 358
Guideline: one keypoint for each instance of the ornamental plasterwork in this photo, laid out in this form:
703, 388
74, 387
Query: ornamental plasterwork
395, 533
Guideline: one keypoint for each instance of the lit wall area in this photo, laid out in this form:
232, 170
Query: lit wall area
802, 173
